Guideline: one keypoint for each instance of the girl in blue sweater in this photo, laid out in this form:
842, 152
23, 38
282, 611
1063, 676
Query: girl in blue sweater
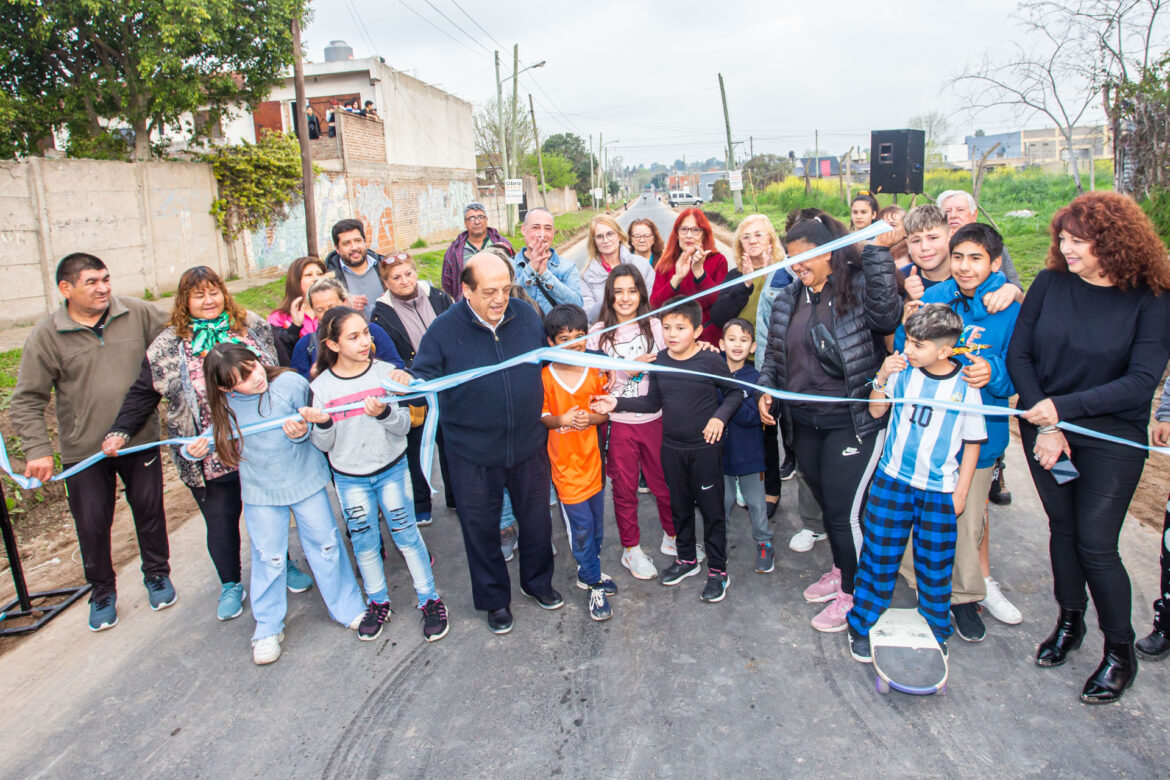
280, 471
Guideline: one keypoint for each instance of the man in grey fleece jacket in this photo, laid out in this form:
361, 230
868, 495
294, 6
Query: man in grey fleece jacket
88, 353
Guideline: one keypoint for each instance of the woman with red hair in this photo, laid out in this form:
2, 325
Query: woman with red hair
690, 265
1089, 348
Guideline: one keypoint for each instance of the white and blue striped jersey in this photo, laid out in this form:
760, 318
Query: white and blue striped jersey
923, 443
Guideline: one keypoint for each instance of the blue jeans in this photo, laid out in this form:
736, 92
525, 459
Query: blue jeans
268, 529
360, 499
584, 523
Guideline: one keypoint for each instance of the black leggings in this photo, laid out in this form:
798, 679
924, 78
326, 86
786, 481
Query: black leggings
838, 467
221, 505
1084, 520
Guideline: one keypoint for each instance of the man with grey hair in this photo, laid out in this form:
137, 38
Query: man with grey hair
961, 209
476, 238
548, 278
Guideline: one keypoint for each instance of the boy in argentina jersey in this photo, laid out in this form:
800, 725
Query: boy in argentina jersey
923, 476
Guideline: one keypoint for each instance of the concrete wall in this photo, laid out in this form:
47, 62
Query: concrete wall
148, 221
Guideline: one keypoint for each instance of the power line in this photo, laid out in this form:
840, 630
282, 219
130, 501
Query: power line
457, 27
477, 24
360, 23
437, 27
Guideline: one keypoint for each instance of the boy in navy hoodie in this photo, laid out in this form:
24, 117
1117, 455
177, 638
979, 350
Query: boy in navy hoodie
976, 253
743, 447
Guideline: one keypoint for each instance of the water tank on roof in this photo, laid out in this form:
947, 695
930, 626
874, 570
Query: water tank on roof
338, 51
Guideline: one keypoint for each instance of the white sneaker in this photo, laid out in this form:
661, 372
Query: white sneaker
357, 621
739, 499
803, 540
639, 563
266, 649
997, 604
668, 547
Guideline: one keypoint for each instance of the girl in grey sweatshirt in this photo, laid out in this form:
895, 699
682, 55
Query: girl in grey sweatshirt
366, 448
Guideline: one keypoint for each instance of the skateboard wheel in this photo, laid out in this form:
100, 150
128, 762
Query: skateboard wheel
881, 685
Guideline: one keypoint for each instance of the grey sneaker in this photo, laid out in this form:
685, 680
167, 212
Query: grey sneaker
508, 542
161, 591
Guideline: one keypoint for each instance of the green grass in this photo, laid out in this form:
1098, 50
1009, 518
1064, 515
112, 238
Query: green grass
1003, 191
262, 299
419, 244
430, 266
9, 366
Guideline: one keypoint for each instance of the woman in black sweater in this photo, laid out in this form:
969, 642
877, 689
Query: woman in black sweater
1089, 348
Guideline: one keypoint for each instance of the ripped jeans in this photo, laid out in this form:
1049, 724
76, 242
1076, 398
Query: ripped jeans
321, 541
360, 499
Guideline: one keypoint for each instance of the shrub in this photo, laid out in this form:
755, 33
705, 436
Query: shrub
257, 182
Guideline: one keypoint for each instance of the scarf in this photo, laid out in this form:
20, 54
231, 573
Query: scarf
205, 334
415, 312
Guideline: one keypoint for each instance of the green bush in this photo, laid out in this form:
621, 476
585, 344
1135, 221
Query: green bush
419, 243
1157, 206
257, 182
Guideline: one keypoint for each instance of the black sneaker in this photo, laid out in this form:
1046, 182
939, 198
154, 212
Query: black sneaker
678, 571
1154, 647
859, 647
716, 588
550, 600
599, 608
435, 624
376, 616
968, 624
642, 486
998, 494
500, 620
788, 467
765, 557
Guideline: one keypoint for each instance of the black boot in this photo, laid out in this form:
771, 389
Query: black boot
1116, 673
1156, 646
998, 494
1066, 637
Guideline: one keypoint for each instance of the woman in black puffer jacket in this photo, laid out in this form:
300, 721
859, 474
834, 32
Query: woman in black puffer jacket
826, 338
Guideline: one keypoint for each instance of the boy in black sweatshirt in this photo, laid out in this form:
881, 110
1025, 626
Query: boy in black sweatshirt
694, 415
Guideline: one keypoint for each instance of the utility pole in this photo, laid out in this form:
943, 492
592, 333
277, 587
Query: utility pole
817, 150
539, 156
601, 168
592, 185
303, 138
515, 90
751, 147
503, 137
737, 195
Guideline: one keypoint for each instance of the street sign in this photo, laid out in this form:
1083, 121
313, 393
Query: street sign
597, 193
735, 179
513, 191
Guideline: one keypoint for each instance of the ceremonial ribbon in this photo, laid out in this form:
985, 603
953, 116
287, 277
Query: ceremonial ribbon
429, 389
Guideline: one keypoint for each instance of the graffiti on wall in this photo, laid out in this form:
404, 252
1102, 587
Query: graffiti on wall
440, 209
373, 206
281, 243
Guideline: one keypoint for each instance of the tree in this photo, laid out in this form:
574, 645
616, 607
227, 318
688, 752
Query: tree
572, 148
100, 66
614, 189
1074, 52
768, 168
938, 134
558, 172
486, 132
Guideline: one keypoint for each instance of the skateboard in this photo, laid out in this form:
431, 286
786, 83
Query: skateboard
906, 656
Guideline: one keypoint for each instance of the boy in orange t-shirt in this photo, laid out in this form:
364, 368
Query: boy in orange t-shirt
574, 453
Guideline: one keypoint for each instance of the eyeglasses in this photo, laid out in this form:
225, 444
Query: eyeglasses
754, 236
473, 218
641, 237
607, 237
690, 231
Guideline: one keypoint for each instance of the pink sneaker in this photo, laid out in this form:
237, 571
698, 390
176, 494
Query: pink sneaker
832, 617
824, 589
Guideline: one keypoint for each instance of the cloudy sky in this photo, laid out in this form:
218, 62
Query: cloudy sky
643, 72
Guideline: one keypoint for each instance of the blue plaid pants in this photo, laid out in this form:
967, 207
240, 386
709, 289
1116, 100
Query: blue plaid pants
894, 509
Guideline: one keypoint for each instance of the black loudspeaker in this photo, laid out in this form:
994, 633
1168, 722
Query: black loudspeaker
896, 160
